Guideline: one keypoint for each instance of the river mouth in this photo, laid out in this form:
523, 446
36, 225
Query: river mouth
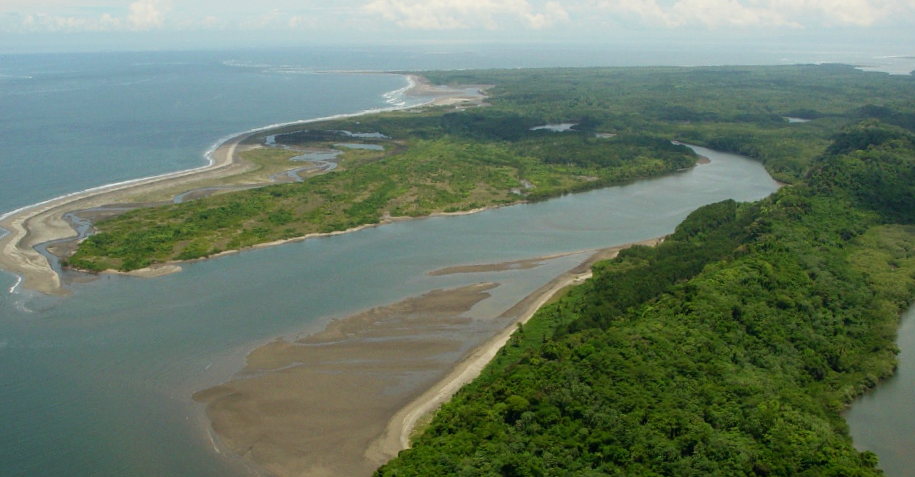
149, 345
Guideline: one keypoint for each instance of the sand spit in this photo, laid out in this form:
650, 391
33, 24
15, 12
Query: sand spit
345, 401
44, 222
496, 267
463, 96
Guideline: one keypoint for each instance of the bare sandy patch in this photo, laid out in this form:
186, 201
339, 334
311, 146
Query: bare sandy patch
312, 406
497, 267
344, 401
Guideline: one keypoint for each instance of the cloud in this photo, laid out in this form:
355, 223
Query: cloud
45, 22
261, 22
710, 13
147, 14
207, 23
758, 13
464, 14
402, 16
846, 12
553, 12
300, 22
142, 15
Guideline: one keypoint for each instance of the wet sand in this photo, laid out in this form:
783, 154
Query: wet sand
44, 222
345, 401
495, 267
312, 407
445, 95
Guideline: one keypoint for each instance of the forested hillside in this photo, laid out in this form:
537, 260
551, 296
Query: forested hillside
730, 349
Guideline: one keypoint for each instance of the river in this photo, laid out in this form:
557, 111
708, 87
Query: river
883, 420
99, 383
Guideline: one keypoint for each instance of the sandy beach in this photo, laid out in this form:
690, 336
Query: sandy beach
344, 401
44, 222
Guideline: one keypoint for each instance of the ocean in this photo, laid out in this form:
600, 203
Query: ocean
99, 383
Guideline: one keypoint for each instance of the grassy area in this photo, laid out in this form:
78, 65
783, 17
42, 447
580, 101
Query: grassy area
264, 162
446, 160
419, 177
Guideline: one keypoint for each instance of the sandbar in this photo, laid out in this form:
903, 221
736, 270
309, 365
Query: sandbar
496, 267
346, 400
312, 406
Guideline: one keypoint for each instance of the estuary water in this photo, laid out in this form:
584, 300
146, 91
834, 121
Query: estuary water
99, 383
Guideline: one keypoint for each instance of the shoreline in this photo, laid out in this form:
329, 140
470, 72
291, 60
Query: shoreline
396, 436
26, 227
344, 400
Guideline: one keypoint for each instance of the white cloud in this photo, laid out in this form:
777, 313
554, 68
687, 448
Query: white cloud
141, 15
300, 21
845, 12
464, 14
553, 12
147, 14
207, 23
45, 22
401, 16
762, 13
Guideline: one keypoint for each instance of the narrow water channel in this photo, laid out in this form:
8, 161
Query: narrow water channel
883, 420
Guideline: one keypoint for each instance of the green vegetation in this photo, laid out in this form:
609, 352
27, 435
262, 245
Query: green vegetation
451, 160
733, 109
446, 174
730, 349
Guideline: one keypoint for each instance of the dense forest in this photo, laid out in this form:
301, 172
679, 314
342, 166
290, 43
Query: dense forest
730, 349
735, 109
449, 159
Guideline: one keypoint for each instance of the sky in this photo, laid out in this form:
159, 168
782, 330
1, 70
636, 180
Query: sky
65, 25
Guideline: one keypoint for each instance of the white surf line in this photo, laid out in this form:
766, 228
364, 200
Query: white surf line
213, 441
208, 155
14, 287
